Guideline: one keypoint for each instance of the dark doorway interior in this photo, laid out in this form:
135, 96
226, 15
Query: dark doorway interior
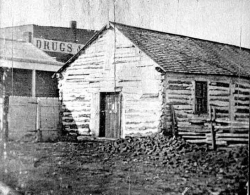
110, 115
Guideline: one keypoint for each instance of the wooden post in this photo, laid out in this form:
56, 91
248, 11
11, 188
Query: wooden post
38, 122
33, 83
231, 104
213, 116
173, 121
5, 118
5, 108
164, 125
1, 125
60, 125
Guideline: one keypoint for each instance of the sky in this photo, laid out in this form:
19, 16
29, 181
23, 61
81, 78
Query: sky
225, 21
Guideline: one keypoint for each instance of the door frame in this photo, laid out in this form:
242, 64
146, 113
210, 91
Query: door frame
119, 112
95, 110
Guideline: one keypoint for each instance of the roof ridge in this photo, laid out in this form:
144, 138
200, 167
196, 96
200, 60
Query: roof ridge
185, 36
135, 33
177, 53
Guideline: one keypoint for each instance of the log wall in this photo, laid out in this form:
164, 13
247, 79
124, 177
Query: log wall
115, 64
110, 64
229, 97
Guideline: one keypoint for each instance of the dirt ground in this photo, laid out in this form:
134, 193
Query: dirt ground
84, 168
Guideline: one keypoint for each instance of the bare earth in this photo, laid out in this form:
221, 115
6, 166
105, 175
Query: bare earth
93, 167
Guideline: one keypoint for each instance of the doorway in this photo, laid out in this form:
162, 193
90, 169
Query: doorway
110, 110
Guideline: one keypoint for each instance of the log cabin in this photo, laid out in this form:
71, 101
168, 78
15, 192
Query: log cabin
130, 81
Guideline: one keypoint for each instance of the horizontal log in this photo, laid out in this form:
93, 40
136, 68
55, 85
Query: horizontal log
230, 139
219, 84
221, 95
183, 107
242, 92
189, 137
199, 141
180, 82
218, 89
180, 98
242, 86
236, 145
196, 130
234, 123
90, 56
180, 92
176, 88
192, 133
246, 99
232, 135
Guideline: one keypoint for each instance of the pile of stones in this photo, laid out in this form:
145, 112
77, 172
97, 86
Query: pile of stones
158, 146
228, 165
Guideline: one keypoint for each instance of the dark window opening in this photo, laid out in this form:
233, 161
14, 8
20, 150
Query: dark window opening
45, 85
18, 82
200, 97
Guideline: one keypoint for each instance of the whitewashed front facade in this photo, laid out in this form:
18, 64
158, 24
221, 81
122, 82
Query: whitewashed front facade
127, 71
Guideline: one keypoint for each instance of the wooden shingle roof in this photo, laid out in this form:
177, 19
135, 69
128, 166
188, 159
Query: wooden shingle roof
179, 54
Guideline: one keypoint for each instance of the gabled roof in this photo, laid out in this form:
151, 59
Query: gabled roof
24, 52
181, 54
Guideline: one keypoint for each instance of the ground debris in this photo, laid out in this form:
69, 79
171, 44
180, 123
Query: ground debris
226, 166
143, 165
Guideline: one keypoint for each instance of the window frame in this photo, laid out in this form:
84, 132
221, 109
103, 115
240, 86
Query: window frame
204, 98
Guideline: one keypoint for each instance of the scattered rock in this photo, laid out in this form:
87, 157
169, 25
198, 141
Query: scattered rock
230, 164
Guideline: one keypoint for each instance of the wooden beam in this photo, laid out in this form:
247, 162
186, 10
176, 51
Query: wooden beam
5, 118
231, 103
213, 117
38, 122
33, 83
5, 108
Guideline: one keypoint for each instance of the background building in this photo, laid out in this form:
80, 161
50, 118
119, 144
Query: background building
28, 94
58, 42
27, 70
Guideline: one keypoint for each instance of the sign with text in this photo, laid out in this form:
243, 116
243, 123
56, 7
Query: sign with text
57, 46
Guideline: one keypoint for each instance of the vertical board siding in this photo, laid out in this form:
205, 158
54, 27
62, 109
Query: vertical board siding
25, 112
102, 68
230, 99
